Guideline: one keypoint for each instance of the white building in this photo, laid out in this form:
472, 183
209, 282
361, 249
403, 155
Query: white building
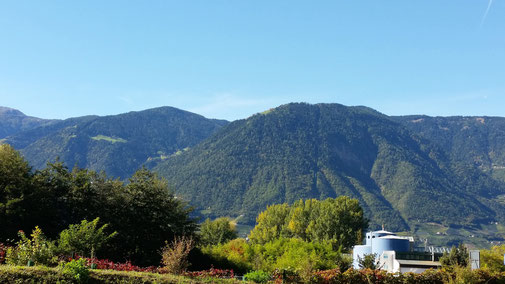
395, 253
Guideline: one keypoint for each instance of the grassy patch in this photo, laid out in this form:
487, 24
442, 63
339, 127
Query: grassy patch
206, 212
501, 199
482, 236
267, 111
109, 139
42, 274
498, 173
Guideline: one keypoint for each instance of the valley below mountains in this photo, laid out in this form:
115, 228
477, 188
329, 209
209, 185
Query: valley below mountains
441, 178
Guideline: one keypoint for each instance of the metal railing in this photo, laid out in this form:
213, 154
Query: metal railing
427, 256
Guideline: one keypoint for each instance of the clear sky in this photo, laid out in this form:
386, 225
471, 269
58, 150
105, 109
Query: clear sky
230, 59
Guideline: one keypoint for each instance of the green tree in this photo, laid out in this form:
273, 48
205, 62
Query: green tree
492, 258
151, 215
143, 211
15, 179
458, 256
217, 232
271, 224
368, 261
52, 200
85, 238
339, 220
282, 253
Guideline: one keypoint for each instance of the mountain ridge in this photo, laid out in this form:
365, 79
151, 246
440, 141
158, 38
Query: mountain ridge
317, 151
407, 172
13, 121
118, 144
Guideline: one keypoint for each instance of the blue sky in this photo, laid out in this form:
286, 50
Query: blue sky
230, 59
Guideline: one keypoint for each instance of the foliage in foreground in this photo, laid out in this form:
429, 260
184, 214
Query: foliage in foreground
40, 251
175, 255
368, 261
338, 219
492, 258
41, 274
283, 253
258, 276
84, 238
144, 208
217, 231
38, 274
3, 252
37, 250
78, 269
458, 256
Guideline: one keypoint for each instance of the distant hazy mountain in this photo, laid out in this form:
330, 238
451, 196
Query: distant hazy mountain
117, 144
13, 121
318, 151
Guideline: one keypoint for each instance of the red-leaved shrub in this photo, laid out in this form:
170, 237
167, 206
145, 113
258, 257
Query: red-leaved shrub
3, 252
213, 272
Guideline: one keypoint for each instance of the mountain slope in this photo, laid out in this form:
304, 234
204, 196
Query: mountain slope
471, 141
317, 151
117, 144
13, 121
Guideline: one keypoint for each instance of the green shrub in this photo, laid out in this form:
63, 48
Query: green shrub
458, 256
295, 254
217, 232
463, 275
84, 239
368, 261
492, 258
78, 270
258, 276
236, 253
292, 254
37, 249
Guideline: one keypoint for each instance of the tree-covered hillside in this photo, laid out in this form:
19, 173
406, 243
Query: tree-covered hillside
327, 150
13, 121
117, 144
474, 141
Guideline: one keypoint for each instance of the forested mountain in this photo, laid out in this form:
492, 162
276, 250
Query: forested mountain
470, 141
326, 150
418, 173
13, 121
117, 144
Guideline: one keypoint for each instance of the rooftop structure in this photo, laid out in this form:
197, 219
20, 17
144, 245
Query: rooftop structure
395, 253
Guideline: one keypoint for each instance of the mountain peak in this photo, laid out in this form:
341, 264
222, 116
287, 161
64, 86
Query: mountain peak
10, 111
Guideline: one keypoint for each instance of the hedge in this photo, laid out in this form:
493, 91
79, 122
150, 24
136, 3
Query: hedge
42, 274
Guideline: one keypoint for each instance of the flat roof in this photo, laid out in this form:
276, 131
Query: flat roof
394, 237
419, 263
382, 232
